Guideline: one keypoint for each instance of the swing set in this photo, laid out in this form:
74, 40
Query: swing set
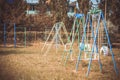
57, 39
95, 38
92, 36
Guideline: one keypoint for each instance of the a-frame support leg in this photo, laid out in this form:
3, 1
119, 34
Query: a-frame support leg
109, 43
73, 39
81, 47
94, 43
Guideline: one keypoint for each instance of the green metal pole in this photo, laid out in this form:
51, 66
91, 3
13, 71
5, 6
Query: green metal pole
78, 24
25, 37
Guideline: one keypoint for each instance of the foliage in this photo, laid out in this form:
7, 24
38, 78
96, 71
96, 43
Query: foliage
15, 13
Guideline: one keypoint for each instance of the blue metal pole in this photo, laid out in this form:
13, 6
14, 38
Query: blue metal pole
14, 35
91, 25
99, 61
82, 45
4, 35
96, 47
93, 46
93, 34
106, 31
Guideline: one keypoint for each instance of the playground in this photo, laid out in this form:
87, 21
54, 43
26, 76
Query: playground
69, 40
29, 64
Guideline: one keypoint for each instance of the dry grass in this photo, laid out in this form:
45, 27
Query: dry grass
29, 64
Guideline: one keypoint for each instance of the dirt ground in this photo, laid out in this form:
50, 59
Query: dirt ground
30, 64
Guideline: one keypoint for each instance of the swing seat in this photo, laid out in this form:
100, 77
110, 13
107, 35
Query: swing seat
67, 46
81, 46
85, 47
105, 50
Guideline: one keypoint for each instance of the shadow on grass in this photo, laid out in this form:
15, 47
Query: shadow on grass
7, 51
11, 52
18, 45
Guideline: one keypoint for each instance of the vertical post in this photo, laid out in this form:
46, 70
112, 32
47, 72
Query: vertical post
45, 37
78, 27
105, 9
109, 43
57, 36
25, 37
81, 47
94, 43
35, 36
14, 35
4, 35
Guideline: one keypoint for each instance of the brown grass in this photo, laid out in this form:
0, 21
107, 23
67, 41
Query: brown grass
29, 64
